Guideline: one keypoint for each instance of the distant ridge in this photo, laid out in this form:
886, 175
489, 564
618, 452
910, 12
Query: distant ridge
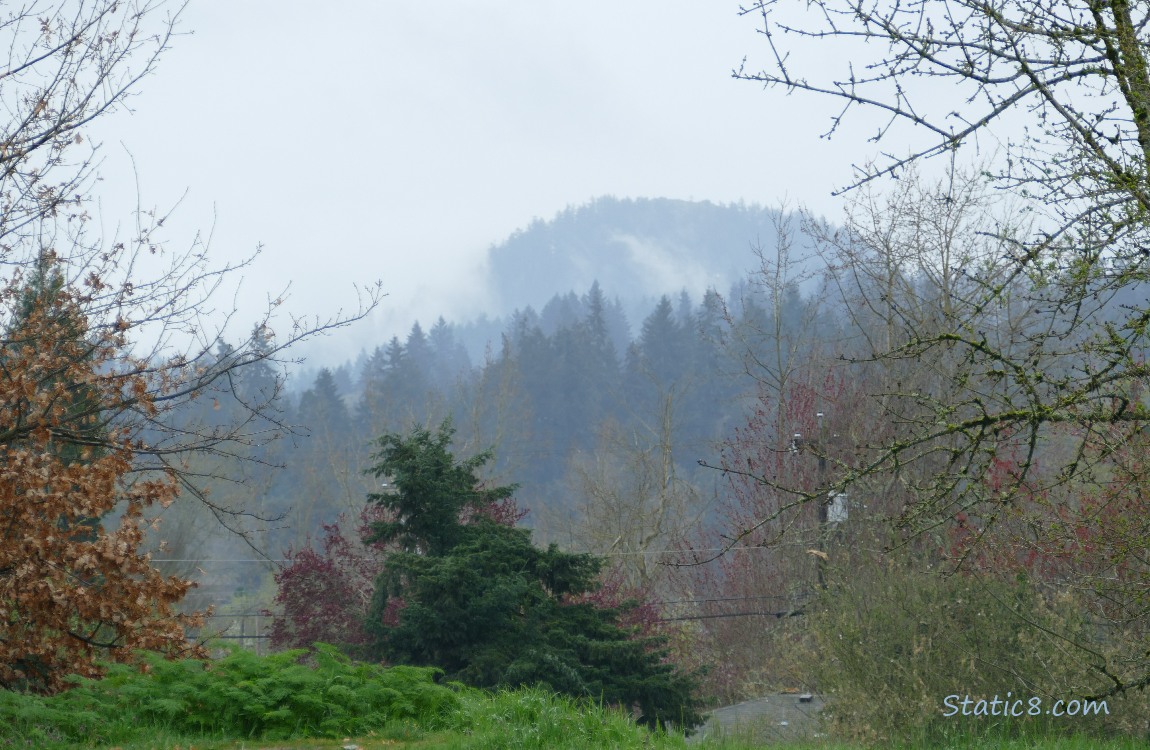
636, 248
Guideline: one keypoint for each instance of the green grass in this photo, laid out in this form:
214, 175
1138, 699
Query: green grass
456, 740
246, 702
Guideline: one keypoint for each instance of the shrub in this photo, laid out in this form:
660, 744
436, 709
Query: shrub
241, 695
893, 642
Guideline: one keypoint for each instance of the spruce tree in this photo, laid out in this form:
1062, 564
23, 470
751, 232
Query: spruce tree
477, 599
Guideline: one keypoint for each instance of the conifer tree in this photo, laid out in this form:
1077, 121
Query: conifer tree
476, 598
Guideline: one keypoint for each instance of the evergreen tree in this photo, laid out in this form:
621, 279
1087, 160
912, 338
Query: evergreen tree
618, 327
535, 362
449, 357
325, 475
602, 355
260, 383
661, 353
419, 354
477, 599
426, 490
684, 312
658, 361
43, 301
561, 311
711, 320
344, 382
321, 408
372, 413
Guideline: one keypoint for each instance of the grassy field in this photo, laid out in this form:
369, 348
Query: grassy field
518, 719
247, 702
469, 741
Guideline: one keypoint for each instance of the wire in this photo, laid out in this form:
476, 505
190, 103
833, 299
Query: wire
249, 560
583, 552
776, 615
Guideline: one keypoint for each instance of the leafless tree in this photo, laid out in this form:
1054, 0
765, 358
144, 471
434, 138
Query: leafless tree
633, 502
69, 63
1074, 72
1069, 83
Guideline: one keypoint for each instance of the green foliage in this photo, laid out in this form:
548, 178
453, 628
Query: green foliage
181, 704
537, 718
249, 697
893, 642
481, 602
241, 695
428, 490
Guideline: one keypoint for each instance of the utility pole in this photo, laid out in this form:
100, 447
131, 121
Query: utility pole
832, 506
824, 502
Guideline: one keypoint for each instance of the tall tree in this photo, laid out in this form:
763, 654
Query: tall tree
73, 592
602, 356
427, 490
633, 501
103, 360
372, 410
477, 599
328, 468
450, 358
659, 355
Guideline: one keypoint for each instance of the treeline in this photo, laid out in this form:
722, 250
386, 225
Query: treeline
578, 406
867, 390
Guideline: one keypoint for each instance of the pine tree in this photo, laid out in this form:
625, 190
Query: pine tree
450, 358
475, 598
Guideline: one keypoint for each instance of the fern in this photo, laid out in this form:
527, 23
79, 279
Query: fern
240, 695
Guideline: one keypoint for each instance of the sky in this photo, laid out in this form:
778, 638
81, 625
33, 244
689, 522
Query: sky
397, 141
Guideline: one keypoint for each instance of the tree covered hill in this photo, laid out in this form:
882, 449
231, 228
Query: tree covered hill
635, 249
638, 249
588, 390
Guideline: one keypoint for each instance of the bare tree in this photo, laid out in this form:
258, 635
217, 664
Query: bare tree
633, 502
779, 317
1028, 383
109, 385
69, 63
1075, 71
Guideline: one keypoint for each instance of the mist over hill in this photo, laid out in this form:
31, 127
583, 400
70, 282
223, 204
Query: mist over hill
637, 249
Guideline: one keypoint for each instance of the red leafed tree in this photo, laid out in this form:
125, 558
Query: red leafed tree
323, 594
1086, 539
74, 588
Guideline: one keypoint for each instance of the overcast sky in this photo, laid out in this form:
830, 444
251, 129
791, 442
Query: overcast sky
398, 140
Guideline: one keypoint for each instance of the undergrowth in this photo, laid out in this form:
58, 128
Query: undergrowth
249, 701
305, 694
241, 695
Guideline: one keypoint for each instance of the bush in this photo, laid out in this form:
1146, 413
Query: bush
538, 718
893, 642
241, 695
245, 697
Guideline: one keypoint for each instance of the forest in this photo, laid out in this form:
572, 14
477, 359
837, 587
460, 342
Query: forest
725, 462
694, 453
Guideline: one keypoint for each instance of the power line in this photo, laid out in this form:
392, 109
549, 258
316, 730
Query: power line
238, 560
752, 548
776, 615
